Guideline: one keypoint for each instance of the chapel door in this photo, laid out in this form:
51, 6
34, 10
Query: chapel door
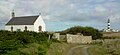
11, 28
25, 28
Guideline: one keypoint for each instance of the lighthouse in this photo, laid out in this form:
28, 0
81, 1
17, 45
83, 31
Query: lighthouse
108, 27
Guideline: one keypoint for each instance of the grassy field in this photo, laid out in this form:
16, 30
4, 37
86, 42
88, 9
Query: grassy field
107, 48
59, 48
97, 50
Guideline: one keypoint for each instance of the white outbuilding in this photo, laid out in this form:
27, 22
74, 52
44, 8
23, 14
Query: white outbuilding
25, 23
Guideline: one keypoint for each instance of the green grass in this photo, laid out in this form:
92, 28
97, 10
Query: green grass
30, 49
23, 43
113, 47
97, 50
106, 48
59, 48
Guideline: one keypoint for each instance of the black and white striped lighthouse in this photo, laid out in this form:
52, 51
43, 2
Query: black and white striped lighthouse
108, 28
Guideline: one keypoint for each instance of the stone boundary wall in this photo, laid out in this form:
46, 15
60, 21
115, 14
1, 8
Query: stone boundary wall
111, 34
80, 39
73, 38
56, 36
62, 38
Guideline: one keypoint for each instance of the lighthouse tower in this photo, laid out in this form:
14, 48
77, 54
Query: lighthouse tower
108, 27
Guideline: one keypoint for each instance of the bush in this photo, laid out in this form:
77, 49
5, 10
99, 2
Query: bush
11, 42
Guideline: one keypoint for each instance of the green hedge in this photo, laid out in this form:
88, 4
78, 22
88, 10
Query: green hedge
12, 41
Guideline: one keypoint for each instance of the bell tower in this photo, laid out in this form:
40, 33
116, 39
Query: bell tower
13, 14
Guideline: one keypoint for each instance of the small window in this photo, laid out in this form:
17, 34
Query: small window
40, 28
11, 28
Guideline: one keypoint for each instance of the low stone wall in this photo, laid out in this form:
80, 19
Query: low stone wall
86, 39
56, 36
73, 38
78, 39
104, 41
63, 38
110, 40
111, 34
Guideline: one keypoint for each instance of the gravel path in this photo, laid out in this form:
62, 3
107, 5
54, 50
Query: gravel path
84, 50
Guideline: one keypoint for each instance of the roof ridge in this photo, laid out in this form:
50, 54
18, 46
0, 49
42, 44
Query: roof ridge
26, 16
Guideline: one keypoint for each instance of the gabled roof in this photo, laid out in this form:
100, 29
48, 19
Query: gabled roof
26, 20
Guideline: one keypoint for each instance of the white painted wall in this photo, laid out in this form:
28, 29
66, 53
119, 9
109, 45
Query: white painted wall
22, 27
35, 27
39, 22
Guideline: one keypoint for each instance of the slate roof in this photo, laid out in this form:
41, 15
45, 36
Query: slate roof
26, 20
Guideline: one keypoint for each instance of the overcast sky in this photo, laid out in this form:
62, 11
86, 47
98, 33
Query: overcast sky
62, 14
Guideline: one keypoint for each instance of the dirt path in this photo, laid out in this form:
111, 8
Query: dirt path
84, 50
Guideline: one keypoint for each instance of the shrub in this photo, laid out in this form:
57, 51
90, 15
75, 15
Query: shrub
11, 42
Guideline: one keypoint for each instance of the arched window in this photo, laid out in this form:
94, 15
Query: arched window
25, 28
11, 28
40, 28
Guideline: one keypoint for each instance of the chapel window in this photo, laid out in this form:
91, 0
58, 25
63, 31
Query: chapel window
11, 28
40, 28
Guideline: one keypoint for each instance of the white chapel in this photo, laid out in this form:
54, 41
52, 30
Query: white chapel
25, 23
